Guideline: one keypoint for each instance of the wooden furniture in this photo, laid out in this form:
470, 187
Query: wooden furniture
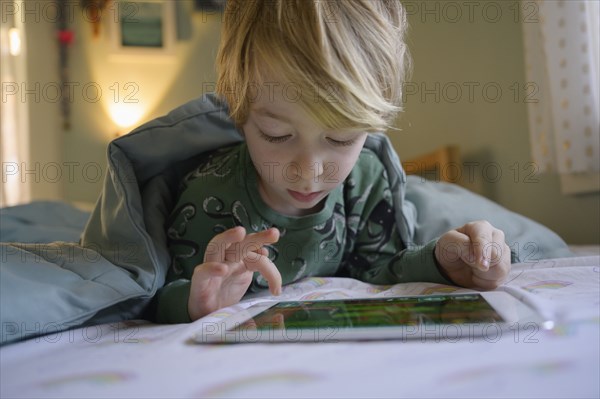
442, 164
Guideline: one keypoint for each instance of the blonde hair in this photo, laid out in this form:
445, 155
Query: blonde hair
347, 59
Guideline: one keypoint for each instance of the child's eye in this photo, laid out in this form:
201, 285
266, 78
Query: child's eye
273, 139
340, 143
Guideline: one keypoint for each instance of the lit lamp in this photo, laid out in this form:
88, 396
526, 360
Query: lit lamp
125, 116
14, 42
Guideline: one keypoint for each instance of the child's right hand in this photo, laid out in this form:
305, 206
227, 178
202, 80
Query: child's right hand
229, 262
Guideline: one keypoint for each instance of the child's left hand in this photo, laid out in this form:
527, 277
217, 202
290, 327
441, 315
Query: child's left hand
474, 255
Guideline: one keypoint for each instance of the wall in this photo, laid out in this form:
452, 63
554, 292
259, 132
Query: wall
44, 167
70, 163
469, 52
156, 84
475, 56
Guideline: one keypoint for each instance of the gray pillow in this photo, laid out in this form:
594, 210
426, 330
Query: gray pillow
444, 206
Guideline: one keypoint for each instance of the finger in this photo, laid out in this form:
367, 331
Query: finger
454, 248
252, 244
249, 324
263, 251
480, 234
215, 251
498, 271
263, 265
211, 269
493, 278
500, 252
278, 321
255, 242
484, 283
261, 238
501, 256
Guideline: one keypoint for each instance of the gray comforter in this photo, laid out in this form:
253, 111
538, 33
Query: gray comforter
112, 272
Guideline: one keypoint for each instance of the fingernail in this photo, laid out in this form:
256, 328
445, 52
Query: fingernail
485, 263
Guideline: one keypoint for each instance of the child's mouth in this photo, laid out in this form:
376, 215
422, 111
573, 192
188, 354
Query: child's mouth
305, 197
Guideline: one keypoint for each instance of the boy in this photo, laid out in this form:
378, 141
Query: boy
306, 81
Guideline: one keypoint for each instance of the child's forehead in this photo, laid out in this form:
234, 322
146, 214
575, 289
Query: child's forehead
282, 113
263, 111
276, 98
276, 117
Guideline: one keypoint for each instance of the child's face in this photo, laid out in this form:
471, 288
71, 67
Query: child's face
297, 160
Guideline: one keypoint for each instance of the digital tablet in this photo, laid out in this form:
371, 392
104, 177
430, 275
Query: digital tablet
450, 317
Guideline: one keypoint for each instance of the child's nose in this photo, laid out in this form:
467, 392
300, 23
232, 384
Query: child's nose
309, 167
317, 169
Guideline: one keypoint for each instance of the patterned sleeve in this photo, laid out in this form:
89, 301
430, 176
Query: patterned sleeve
172, 302
375, 252
172, 299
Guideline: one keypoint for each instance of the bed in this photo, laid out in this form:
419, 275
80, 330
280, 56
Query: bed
136, 358
72, 308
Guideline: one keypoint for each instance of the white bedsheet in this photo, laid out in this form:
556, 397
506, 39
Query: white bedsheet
140, 359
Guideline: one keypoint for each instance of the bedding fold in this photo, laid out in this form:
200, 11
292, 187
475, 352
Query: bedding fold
121, 260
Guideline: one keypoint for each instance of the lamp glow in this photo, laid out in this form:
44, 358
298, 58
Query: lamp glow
14, 42
126, 115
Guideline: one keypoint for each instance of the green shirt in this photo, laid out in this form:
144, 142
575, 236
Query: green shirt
353, 235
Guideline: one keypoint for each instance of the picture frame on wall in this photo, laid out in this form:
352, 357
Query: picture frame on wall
209, 5
144, 27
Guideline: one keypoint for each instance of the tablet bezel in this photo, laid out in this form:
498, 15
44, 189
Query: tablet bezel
516, 316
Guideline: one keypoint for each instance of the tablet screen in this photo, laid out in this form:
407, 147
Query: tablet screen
376, 312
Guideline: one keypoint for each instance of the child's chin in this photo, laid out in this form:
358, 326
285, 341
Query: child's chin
310, 208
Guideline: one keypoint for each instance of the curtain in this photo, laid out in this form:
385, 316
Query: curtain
562, 68
14, 154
